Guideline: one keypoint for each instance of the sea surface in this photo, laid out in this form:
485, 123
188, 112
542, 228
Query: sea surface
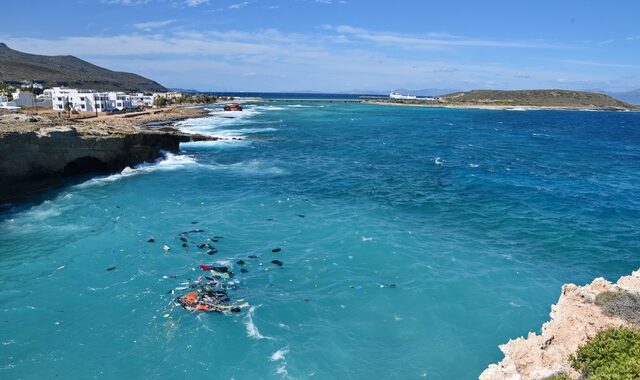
414, 241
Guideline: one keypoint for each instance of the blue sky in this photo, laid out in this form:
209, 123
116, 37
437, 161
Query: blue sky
333, 45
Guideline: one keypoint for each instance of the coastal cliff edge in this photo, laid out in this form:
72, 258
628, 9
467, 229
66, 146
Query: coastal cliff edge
581, 312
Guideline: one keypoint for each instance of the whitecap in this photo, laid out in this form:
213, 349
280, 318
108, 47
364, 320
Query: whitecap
252, 329
438, 161
279, 355
168, 161
302, 106
267, 108
253, 167
473, 165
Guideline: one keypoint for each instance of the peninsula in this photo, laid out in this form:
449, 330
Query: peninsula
521, 99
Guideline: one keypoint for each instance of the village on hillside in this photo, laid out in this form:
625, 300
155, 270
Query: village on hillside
86, 102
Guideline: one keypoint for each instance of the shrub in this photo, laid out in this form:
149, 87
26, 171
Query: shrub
613, 354
561, 376
620, 304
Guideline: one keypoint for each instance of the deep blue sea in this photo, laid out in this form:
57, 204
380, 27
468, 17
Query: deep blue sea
414, 241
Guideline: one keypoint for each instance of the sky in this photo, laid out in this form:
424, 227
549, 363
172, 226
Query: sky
342, 45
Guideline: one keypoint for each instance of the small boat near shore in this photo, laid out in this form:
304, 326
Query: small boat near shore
233, 107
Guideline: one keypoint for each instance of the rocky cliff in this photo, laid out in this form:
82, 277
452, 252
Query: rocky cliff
37, 153
581, 312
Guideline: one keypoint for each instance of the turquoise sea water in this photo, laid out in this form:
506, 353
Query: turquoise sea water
477, 217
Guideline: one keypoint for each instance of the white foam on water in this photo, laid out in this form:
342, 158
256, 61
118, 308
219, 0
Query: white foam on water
279, 355
253, 167
302, 106
438, 161
225, 123
267, 108
219, 144
252, 329
169, 161
43, 212
42, 216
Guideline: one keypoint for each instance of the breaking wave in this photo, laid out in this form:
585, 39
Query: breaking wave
169, 161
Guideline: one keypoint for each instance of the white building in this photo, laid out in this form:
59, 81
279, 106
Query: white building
28, 85
142, 100
23, 98
88, 100
5, 104
398, 96
168, 95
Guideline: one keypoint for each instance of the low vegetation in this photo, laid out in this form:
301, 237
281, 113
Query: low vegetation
620, 304
537, 98
189, 99
561, 376
613, 354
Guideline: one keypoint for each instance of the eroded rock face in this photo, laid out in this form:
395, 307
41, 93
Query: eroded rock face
575, 320
36, 160
37, 152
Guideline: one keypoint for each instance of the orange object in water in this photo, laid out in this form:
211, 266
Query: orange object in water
191, 297
202, 307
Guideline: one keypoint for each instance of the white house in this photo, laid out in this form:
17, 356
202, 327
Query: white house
168, 95
23, 98
5, 104
88, 100
27, 85
119, 101
142, 100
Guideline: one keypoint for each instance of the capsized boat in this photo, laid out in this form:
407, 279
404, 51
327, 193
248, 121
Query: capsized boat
233, 107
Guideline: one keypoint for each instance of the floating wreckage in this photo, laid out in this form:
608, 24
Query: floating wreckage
211, 292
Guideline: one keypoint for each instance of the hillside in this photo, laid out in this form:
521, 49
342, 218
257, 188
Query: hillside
537, 98
67, 71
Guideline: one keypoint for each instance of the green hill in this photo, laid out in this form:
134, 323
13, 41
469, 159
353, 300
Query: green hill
537, 98
67, 71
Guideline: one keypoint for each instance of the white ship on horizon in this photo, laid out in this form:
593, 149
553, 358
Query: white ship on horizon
398, 96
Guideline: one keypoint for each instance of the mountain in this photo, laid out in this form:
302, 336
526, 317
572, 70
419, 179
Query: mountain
538, 98
68, 71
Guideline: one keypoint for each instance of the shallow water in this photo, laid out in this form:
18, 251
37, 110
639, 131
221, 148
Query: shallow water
477, 217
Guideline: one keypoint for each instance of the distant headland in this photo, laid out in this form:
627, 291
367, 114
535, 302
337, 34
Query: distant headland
524, 99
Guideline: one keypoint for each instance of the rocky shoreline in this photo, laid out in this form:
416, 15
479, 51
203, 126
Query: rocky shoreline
581, 312
41, 152
495, 106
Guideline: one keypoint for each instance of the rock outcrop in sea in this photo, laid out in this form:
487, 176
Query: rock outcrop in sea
581, 312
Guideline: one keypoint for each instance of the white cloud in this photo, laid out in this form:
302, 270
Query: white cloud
239, 5
195, 3
149, 25
430, 40
125, 2
259, 61
598, 64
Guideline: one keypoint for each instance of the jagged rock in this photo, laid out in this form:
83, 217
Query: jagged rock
575, 319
